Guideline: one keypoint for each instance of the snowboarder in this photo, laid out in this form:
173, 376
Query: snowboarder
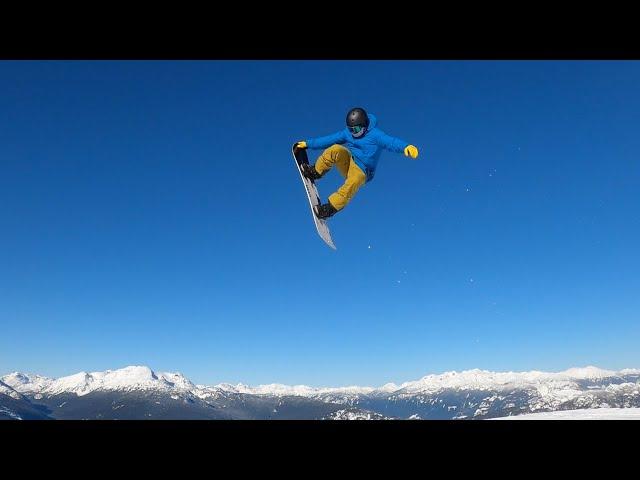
354, 151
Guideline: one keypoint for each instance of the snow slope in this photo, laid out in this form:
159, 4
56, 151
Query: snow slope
586, 414
7, 390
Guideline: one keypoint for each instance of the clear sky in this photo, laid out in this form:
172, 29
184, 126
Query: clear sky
151, 214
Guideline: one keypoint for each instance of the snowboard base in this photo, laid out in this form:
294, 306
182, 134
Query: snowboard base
300, 156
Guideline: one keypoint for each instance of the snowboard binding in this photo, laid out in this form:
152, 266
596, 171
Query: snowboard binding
325, 211
310, 172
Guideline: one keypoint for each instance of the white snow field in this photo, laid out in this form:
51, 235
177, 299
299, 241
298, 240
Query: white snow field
586, 414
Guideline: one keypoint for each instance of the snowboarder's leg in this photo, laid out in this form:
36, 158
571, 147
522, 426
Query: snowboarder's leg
334, 155
355, 178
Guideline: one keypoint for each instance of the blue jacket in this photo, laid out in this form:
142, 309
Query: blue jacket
365, 150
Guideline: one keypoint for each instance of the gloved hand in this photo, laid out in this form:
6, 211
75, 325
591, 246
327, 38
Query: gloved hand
411, 151
301, 144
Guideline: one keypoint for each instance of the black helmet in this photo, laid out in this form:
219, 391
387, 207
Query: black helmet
357, 121
357, 117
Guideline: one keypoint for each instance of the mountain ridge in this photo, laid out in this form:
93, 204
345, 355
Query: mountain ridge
137, 376
140, 392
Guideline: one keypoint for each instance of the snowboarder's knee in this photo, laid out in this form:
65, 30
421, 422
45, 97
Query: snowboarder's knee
338, 152
336, 147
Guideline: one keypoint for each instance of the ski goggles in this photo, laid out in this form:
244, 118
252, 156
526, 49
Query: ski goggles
357, 131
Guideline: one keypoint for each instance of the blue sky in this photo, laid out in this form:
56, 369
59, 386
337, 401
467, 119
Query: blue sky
150, 213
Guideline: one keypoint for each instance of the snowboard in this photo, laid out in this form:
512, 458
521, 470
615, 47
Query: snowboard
300, 156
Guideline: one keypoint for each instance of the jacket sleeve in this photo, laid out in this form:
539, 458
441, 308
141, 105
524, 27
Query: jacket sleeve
393, 144
324, 142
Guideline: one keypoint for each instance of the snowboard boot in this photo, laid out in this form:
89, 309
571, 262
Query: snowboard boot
310, 172
325, 211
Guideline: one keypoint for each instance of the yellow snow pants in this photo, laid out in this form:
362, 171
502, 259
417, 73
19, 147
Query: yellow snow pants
354, 177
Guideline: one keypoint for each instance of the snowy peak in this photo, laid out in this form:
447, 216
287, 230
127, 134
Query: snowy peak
277, 389
485, 380
16, 378
83, 383
79, 383
280, 390
468, 379
138, 378
26, 383
388, 388
176, 380
589, 373
134, 375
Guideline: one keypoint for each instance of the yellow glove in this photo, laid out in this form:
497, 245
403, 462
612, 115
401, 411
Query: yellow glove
411, 151
302, 144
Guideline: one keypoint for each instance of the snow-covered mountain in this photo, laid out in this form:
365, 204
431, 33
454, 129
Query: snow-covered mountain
139, 392
15, 406
124, 379
486, 380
